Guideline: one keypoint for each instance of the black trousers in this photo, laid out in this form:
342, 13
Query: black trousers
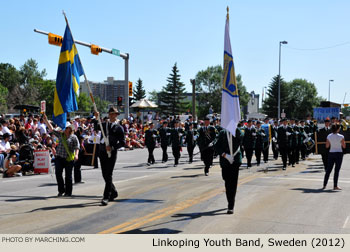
266, 151
208, 156
284, 154
302, 151
77, 167
165, 154
275, 151
297, 154
230, 176
258, 155
66, 185
291, 155
107, 167
150, 154
190, 149
96, 156
176, 153
249, 155
337, 159
325, 159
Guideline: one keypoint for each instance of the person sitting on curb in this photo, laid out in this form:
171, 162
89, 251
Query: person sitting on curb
10, 166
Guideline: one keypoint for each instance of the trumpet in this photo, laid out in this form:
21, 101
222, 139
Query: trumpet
344, 124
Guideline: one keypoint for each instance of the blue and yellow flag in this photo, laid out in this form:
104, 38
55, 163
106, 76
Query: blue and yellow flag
230, 109
67, 80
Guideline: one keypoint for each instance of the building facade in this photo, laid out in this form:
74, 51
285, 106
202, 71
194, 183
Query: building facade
108, 90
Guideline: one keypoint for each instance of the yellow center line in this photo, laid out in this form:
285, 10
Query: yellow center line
161, 213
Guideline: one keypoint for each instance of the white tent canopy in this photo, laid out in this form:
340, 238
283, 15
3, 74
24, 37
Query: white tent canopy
144, 103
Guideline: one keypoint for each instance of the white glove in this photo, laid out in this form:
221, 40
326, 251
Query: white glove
180, 134
211, 144
229, 158
168, 134
195, 138
288, 133
154, 136
274, 139
253, 134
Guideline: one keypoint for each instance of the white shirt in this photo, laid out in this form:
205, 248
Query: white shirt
5, 146
42, 129
335, 141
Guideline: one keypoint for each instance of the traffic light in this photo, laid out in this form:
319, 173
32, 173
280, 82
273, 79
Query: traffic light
119, 101
130, 88
95, 49
131, 101
55, 39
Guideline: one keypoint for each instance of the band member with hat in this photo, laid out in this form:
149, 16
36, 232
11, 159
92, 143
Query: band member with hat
114, 132
190, 140
259, 144
176, 141
205, 142
164, 134
249, 142
150, 142
274, 139
267, 138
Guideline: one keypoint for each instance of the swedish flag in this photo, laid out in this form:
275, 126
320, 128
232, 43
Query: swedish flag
67, 80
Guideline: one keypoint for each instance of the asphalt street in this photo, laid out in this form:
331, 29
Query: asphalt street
163, 199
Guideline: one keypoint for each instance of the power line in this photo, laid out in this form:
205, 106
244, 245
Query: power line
318, 49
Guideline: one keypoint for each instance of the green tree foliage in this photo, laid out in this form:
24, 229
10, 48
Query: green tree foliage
302, 98
270, 104
139, 92
172, 95
153, 96
46, 89
102, 105
10, 79
3, 99
209, 90
298, 98
84, 103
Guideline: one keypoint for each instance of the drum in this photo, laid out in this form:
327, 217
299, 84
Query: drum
309, 143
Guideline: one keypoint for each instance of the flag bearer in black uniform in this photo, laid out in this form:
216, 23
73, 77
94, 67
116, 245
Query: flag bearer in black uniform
274, 139
282, 140
164, 134
249, 142
326, 130
190, 140
259, 144
176, 141
150, 142
115, 134
205, 142
229, 164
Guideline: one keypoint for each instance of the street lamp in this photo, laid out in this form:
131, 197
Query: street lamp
279, 80
329, 90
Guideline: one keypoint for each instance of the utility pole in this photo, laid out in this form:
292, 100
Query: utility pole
57, 40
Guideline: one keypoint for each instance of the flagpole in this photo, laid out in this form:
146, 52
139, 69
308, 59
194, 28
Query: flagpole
90, 92
229, 135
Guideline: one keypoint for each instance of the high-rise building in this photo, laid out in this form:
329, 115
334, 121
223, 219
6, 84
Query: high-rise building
108, 90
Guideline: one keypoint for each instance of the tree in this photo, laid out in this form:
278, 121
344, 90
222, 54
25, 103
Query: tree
46, 90
84, 103
3, 99
102, 105
10, 78
302, 98
209, 89
139, 91
153, 96
270, 104
172, 95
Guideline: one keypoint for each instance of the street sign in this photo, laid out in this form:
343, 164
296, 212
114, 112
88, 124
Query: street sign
43, 107
116, 52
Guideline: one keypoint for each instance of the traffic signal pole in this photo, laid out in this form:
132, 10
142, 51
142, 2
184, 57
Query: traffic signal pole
116, 52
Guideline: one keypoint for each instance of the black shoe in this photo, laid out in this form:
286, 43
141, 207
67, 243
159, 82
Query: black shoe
113, 196
104, 202
80, 182
230, 211
293, 165
148, 164
59, 194
175, 165
283, 168
67, 195
206, 174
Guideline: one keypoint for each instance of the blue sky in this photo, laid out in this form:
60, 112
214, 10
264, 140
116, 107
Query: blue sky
158, 33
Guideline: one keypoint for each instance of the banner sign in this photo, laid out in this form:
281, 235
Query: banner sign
41, 161
320, 114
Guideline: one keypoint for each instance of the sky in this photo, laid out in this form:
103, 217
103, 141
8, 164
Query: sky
159, 33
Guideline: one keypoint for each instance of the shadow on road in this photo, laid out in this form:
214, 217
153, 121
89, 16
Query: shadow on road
82, 205
184, 217
313, 190
23, 198
188, 176
154, 231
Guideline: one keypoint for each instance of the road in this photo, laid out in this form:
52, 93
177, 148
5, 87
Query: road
162, 199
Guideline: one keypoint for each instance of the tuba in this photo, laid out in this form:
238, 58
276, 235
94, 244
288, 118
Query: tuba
344, 125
